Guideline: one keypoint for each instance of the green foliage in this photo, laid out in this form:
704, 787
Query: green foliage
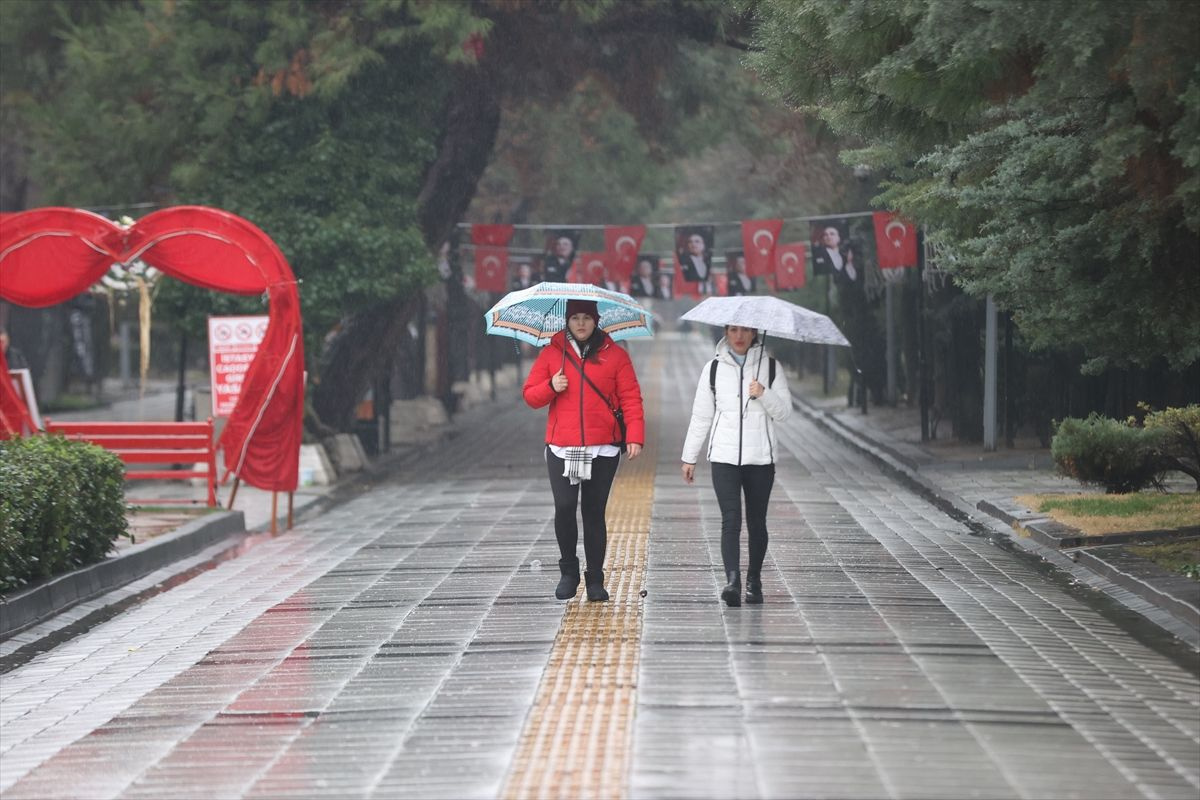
356, 241
303, 118
1179, 440
61, 507
1120, 457
1049, 146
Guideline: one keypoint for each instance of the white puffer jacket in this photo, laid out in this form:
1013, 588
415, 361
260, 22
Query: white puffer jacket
739, 430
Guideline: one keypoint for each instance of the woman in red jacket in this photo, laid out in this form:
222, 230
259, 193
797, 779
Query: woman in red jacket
595, 410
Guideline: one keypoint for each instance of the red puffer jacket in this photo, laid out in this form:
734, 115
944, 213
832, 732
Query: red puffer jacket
579, 415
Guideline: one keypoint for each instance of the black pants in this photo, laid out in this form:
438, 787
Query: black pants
595, 500
730, 482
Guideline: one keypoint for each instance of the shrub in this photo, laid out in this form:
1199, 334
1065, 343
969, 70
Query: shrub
1120, 457
61, 507
1179, 443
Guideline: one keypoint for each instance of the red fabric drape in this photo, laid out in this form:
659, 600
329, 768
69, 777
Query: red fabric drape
14, 416
51, 254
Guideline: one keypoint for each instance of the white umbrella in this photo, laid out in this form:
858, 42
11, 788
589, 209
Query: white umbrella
770, 315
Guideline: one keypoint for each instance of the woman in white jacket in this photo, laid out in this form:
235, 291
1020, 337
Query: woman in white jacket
737, 405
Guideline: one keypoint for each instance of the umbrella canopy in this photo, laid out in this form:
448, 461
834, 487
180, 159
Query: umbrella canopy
770, 315
535, 314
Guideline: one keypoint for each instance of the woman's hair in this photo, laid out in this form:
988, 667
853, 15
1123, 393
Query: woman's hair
753, 341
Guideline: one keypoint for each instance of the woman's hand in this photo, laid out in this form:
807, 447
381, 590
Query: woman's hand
559, 381
633, 450
689, 473
756, 389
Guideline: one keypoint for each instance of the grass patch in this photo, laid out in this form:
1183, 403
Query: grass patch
1182, 557
1118, 513
71, 402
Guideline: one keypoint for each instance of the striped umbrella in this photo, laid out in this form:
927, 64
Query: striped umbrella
535, 314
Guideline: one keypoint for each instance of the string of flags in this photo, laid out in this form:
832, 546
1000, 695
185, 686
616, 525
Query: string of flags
690, 270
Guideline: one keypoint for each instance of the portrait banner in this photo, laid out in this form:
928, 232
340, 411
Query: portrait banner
895, 241
561, 244
831, 250
693, 256
644, 281
759, 239
737, 280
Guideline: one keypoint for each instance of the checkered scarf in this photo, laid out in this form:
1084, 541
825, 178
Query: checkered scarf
578, 463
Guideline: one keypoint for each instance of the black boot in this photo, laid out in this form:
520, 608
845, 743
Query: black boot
753, 589
568, 584
732, 593
594, 580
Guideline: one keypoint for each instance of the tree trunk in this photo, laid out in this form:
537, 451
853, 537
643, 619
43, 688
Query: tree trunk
469, 136
356, 357
360, 352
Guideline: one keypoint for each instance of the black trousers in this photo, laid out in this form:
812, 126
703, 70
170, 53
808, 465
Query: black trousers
594, 494
730, 482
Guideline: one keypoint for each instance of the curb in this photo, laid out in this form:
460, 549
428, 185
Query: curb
30, 606
27, 607
1174, 593
1143, 578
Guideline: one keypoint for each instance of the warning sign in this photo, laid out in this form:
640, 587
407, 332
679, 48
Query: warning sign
232, 344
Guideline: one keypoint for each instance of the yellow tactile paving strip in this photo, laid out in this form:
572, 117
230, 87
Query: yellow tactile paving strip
577, 739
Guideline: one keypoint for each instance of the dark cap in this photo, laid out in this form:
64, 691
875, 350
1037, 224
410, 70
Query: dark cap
583, 307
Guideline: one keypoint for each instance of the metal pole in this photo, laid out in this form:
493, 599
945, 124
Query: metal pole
1009, 422
922, 356
181, 386
989, 376
830, 356
125, 362
890, 343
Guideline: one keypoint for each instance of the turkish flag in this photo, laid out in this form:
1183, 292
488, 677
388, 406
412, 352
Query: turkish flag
895, 241
590, 268
759, 237
493, 235
622, 244
790, 263
491, 268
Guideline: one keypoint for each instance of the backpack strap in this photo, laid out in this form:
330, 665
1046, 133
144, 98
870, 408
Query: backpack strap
712, 375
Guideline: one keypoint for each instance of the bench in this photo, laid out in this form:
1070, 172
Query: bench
155, 444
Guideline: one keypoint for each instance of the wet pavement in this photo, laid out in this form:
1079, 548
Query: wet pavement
395, 645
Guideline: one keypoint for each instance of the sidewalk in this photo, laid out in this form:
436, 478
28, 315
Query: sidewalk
166, 538
406, 643
980, 488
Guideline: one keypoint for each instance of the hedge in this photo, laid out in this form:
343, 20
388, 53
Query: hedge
1118, 456
61, 507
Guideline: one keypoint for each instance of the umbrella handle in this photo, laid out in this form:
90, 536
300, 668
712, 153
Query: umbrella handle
758, 367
